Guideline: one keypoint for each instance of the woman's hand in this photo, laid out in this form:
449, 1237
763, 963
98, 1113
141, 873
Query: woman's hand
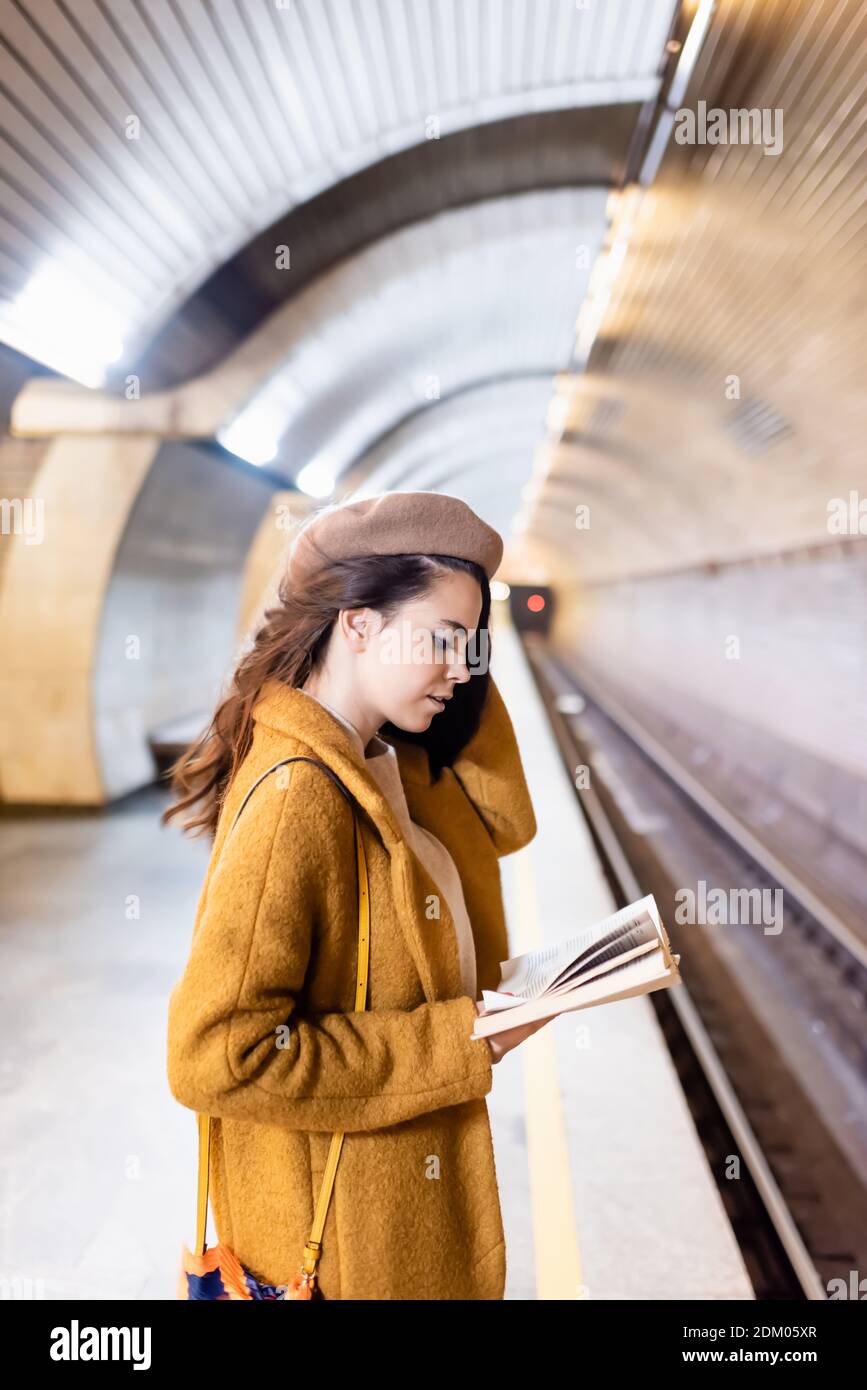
501, 1043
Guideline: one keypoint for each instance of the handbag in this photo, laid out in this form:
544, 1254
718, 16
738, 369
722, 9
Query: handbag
217, 1273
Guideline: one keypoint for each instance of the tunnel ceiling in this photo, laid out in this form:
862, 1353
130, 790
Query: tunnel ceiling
423, 360
715, 406
146, 144
373, 342
584, 146
722, 407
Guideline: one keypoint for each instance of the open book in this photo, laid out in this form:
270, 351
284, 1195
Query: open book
625, 954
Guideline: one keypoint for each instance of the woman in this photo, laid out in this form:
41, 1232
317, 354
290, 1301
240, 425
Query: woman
363, 664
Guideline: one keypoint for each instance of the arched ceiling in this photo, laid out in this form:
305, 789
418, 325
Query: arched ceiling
578, 147
481, 294
452, 318
475, 444
146, 143
709, 404
720, 408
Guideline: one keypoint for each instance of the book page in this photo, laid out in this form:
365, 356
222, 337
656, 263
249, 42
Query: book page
614, 946
639, 976
529, 975
603, 964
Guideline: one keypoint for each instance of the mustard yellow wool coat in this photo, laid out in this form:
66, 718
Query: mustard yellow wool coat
415, 1211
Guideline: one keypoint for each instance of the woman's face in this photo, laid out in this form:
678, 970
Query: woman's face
422, 652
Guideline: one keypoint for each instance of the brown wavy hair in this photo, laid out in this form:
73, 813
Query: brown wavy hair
291, 641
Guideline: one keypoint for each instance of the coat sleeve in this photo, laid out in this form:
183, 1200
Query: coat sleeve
238, 1044
492, 775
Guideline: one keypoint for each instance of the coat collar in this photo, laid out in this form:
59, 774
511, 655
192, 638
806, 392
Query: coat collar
433, 946
412, 759
290, 711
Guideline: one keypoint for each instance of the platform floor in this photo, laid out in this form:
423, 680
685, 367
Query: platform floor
605, 1189
609, 1194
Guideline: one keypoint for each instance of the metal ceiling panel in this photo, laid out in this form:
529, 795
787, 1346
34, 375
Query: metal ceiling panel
146, 143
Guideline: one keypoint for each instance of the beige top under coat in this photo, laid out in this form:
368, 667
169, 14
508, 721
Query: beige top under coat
380, 759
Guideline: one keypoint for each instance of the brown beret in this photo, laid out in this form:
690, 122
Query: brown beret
394, 523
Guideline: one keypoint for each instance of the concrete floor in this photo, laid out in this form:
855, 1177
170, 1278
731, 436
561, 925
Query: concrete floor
98, 1162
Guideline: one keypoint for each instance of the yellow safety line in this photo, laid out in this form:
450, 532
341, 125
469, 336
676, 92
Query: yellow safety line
555, 1236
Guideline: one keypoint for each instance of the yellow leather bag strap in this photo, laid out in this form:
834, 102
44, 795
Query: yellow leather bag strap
313, 1248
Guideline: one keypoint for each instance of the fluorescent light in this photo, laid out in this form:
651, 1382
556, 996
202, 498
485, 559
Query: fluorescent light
605, 272
677, 91
57, 320
316, 479
689, 53
254, 435
241, 442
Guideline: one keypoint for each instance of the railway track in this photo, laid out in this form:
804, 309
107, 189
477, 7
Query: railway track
768, 1029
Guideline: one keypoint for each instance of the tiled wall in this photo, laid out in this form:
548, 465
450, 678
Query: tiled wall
765, 661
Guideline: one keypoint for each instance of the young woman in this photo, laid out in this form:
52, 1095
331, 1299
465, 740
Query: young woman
366, 665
